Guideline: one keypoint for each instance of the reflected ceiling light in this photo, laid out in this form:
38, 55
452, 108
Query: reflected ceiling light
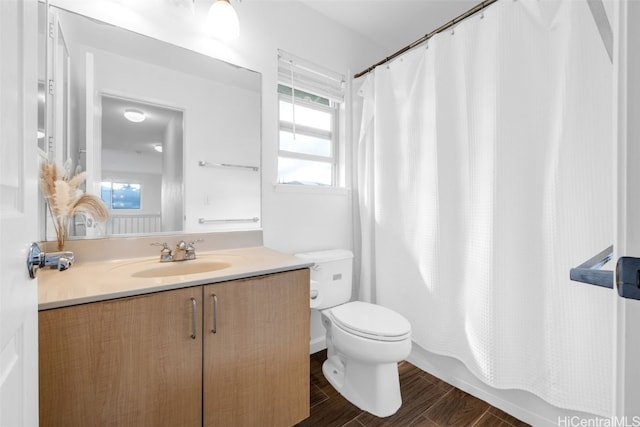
222, 21
158, 148
135, 116
40, 134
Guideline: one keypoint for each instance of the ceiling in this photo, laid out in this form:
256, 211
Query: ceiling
119, 134
391, 24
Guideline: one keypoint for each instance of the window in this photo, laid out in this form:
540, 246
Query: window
309, 112
118, 195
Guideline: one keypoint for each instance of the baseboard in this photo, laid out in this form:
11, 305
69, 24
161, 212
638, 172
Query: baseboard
521, 404
317, 344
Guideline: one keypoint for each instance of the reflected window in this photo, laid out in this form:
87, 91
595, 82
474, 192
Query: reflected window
118, 195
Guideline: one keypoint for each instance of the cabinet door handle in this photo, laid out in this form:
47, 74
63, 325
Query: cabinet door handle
215, 313
194, 306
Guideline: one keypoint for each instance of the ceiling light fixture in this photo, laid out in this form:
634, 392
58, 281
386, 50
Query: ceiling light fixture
158, 148
135, 116
222, 21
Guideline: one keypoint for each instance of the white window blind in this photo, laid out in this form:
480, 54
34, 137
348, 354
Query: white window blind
304, 75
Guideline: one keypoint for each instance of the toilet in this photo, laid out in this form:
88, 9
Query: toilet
365, 341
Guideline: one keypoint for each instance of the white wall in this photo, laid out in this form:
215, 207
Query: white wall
172, 176
301, 221
292, 221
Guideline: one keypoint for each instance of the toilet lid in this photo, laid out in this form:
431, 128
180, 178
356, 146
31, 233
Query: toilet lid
371, 321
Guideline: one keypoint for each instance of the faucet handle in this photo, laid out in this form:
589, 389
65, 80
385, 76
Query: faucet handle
64, 262
190, 250
192, 243
165, 252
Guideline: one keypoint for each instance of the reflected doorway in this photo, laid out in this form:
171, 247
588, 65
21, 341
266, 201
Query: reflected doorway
141, 166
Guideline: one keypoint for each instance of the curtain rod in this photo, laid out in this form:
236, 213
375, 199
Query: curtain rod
477, 8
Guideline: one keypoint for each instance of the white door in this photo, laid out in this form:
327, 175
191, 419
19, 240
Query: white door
18, 216
627, 239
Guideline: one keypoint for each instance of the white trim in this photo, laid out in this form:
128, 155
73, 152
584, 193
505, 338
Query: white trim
317, 344
311, 189
305, 130
308, 157
627, 202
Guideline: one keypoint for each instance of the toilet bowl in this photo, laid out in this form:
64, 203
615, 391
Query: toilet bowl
364, 341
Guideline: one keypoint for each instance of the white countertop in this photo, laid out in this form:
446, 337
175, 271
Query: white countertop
103, 280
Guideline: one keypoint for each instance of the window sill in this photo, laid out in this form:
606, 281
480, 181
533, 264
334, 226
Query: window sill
311, 189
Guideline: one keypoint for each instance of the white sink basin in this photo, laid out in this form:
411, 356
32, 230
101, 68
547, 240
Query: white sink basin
181, 268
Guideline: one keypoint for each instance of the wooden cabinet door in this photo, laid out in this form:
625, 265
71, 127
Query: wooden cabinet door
125, 362
256, 364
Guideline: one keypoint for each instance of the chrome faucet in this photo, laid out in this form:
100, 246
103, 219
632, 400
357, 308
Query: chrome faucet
180, 252
183, 251
38, 259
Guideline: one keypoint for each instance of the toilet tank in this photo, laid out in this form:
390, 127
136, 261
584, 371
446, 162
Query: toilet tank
331, 277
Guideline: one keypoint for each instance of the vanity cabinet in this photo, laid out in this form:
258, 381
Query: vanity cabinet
124, 362
138, 361
256, 351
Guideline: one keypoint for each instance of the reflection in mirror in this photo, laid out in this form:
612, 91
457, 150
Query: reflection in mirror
196, 110
142, 152
42, 63
61, 76
41, 101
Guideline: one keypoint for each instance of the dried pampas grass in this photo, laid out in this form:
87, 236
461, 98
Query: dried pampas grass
65, 198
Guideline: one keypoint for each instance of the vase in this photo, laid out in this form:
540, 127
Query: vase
61, 232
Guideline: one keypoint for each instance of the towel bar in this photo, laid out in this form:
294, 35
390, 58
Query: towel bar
209, 221
226, 165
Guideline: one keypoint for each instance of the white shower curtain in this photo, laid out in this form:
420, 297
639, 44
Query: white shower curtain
484, 175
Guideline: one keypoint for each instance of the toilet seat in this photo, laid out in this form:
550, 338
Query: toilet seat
371, 321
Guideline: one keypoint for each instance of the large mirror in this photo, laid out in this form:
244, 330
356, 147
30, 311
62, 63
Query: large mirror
169, 138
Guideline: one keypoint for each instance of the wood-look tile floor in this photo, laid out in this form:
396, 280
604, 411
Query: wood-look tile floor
426, 402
